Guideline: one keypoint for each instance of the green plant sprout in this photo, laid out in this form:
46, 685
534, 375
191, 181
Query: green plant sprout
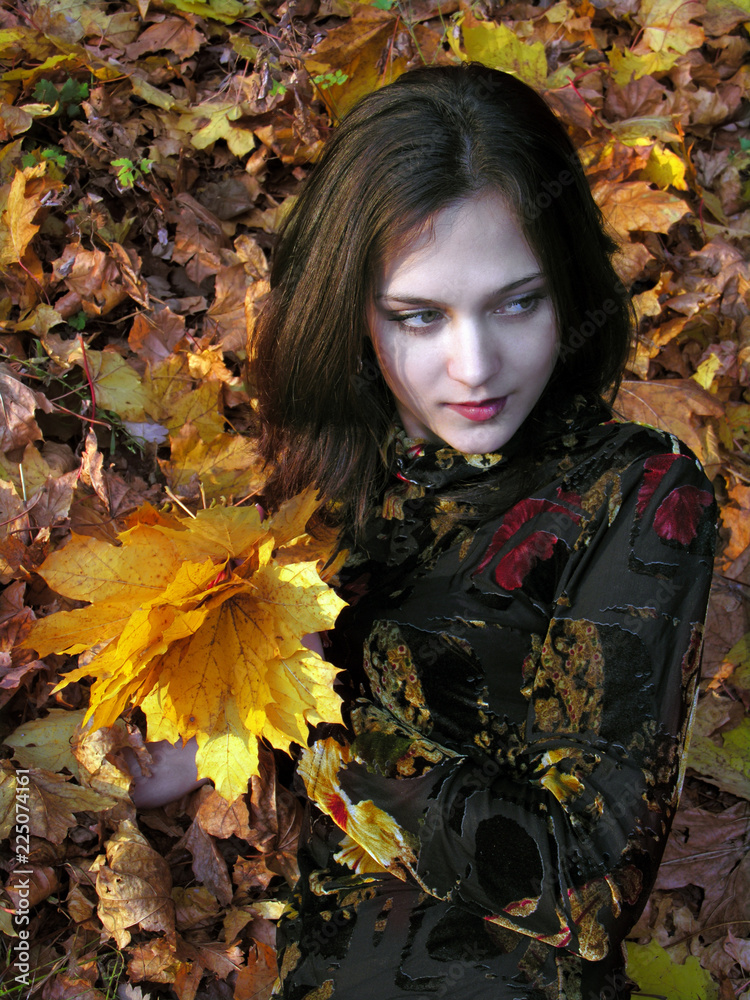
336, 78
53, 154
68, 97
129, 173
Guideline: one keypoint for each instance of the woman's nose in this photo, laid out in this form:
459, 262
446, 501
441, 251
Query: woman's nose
472, 356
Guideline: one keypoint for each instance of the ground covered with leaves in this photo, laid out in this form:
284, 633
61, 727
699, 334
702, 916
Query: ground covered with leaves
150, 150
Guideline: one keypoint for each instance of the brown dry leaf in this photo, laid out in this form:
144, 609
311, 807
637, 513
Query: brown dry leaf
356, 48
173, 33
711, 851
50, 799
37, 886
208, 864
155, 336
225, 319
195, 907
251, 875
69, 986
276, 817
17, 406
670, 406
155, 961
134, 887
92, 278
221, 959
220, 818
256, 980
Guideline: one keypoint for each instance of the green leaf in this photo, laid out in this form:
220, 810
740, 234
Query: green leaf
726, 765
657, 975
46, 92
226, 11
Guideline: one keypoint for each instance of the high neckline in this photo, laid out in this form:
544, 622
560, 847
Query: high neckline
436, 465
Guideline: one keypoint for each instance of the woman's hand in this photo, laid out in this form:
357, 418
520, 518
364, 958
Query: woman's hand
173, 774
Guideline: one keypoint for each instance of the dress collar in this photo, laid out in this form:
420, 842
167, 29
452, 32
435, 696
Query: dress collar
426, 465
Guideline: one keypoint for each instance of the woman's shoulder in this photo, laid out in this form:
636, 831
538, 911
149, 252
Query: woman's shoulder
627, 443
616, 458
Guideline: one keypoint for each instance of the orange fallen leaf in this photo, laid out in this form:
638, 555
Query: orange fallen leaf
671, 406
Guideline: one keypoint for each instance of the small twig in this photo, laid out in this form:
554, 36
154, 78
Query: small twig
17, 517
88, 374
177, 500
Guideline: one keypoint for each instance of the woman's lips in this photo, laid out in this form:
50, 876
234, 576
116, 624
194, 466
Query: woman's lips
485, 409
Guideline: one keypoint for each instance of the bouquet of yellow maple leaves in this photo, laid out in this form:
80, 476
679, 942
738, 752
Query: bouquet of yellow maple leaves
198, 620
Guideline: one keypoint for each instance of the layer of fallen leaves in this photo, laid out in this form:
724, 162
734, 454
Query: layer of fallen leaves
150, 151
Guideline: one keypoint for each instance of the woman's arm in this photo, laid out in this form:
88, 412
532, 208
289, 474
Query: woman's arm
561, 838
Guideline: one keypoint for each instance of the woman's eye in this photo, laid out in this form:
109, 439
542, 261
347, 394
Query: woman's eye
521, 305
418, 320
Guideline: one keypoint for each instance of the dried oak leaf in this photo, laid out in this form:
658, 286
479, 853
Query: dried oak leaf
203, 618
134, 887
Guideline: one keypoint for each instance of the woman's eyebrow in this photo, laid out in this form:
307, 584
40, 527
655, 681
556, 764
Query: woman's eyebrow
417, 300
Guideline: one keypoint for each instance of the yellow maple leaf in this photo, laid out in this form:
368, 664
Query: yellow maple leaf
498, 46
665, 169
667, 25
632, 205
202, 619
628, 65
17, 227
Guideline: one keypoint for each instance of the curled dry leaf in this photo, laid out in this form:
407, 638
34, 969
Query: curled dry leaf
134, 887
17, 405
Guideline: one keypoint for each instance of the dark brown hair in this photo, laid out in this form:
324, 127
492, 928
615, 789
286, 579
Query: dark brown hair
434, 137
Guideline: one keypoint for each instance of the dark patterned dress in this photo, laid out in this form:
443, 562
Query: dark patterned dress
492, 823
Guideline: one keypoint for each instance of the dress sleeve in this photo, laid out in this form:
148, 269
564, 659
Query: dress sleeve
559, 838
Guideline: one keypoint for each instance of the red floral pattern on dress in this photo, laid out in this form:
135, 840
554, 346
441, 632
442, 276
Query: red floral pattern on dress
514, 567
679, 514
513, 522
654, 470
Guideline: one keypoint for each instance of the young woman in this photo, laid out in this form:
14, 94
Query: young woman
527, 579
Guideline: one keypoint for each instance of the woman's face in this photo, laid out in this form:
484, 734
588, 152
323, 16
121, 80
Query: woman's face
463, 327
